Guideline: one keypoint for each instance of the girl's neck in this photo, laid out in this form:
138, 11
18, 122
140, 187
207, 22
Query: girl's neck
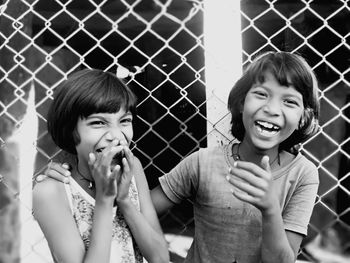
247, 152
84, 171
83, 177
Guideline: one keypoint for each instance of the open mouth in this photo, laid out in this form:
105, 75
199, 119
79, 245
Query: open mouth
117, 159
267, 128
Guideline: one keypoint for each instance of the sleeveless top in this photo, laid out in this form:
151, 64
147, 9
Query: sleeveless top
123, 247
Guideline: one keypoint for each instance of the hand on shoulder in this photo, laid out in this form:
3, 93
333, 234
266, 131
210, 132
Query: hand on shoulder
57, 171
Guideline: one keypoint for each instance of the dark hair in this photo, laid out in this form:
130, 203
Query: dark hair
85, 92
288, 69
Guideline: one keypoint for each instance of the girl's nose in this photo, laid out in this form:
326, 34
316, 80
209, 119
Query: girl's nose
113, 134
272, 107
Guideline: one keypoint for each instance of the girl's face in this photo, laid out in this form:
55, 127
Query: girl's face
271, 113
98, 130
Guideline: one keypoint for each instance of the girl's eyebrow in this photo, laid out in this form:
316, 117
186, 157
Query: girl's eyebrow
95, 115
289, 91
260, 85
127, 113
100, 115
294, 93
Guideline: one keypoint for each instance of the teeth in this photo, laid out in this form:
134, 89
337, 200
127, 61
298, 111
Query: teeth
266, 132
259, 129
268, 125
266, 128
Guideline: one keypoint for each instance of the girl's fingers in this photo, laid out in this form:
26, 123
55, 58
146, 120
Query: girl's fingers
57, 167
126, 165
248, 177
66, 166
58, 176
107, 151
104, 159
128, 152
125, 178
92, 162
92, 159
52, 174
112, 181
128, 155
109, 154
247, 188
252, 168
265, 163
244, 197
115, 173
56, 171
123, 142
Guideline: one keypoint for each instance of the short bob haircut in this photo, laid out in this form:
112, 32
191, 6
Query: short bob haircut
85, 92
289, 70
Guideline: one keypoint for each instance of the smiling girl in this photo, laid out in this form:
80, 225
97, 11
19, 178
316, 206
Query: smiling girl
105, 214
253, 197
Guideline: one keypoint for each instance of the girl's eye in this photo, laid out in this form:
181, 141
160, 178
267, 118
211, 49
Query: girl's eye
291, 102
126, 120
260, 94
97, 123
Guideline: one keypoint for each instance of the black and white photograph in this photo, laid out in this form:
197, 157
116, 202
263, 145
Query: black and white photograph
175, 131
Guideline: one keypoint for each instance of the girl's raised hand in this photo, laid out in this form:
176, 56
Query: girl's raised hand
124, 175
254, 184
100, 168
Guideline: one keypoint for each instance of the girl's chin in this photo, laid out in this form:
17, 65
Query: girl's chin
264, 145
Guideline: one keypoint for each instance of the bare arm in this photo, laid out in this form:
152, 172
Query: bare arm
278, 244
50, 200
143, 224
160, 201
52, 211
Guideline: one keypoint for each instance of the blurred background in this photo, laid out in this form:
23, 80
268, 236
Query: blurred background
180, 58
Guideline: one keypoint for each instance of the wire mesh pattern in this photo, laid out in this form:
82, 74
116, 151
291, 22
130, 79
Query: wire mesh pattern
160, 45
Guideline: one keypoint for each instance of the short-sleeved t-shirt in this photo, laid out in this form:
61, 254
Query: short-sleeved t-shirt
227, 229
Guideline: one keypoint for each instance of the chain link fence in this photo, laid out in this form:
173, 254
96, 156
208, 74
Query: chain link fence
160, 46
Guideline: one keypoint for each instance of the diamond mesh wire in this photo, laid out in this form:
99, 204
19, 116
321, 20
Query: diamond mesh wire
161, 44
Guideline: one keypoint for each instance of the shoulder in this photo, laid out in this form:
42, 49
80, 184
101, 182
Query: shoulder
208, 153
46, 193
211, 150
310, 170
305, 164
303, 168
48, 188
200, 159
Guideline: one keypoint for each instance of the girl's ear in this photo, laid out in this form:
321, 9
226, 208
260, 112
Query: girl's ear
308, 119
305, 116
301, 122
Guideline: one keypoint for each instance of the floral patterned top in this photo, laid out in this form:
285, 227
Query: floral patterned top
123, 247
